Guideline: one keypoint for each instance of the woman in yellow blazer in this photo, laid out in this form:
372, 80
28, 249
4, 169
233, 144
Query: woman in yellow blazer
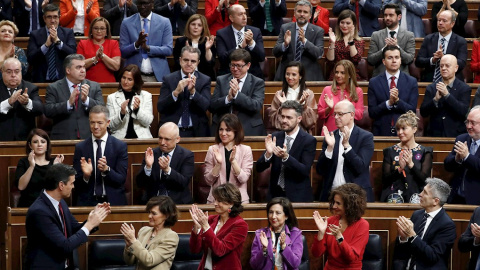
156, 244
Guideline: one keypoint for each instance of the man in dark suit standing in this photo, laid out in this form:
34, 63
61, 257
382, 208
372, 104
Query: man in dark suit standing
470, 240
168, 169
240, 35
346, 153
48, 47
117, 10
53, 232
178, 11
464, 161
69, 100
240, 93
267, 15
446, 102
28, 15
366, 12
291, 153
436, 45
101, 163
391, 94
300, 41
392, 35
19, 103
426, 239
185, 96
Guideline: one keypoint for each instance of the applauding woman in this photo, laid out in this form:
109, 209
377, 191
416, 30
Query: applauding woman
280, 245
294, 88
31, 170
345, 42
156, 244
229, 161
344, 235
221, 237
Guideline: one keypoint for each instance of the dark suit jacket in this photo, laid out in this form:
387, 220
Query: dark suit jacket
297, 167
446, 120
47, 247
177, 183
39, 62
456, 46
433, 250
177, 16
18, 122
313, 51
171, 111
257, 13
22, 17
469, 170
356, 163
205, 67
226, 42
111, 11
368, 14
65, 122
379, 93
465, 243
117, 159
249, 104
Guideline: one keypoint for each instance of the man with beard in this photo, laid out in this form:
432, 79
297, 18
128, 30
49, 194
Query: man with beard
291, 153
391, 35
346, 153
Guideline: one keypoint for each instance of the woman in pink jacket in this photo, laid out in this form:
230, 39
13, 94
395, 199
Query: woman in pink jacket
229, 161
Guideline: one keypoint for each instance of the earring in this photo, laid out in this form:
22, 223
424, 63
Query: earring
229, 210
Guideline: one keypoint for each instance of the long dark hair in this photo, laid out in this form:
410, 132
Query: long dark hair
301, 83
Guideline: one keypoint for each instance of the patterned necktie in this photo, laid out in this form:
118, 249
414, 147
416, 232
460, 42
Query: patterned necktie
62, 215
473, 148
239, 39
98, 174
185, 105
392, 34
437, 76
392, 83
298, 49
268, 19
419, 232
145, 28
281, 178
52, 63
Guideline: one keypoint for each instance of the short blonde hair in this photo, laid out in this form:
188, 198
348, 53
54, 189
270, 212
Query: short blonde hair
11, 24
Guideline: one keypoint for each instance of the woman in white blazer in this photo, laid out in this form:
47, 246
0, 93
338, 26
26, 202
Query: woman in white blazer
130, 102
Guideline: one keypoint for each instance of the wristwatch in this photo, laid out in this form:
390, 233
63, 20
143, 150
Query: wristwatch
351, 43
340, 240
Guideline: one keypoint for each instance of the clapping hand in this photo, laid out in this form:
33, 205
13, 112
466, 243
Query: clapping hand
282, 239
86, 166
59, 159
304, 97
149, 158
248, 38
270, 144
217, 155
200, 219
128, 232
209, 42
287, 38
321, 224
346, 137
331, 36
232, 154
461, 151
31, 158
281, 96
23, 98
123, 107
335, 230
329, 139
263, 239
136, 103
89, 6
84, 94
328, 101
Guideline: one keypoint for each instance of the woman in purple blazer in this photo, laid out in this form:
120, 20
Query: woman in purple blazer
280, 244
229, 161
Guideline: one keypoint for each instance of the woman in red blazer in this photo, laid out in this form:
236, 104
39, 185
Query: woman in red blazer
69, 14
221, 237
216, 12
321, 16
475, 62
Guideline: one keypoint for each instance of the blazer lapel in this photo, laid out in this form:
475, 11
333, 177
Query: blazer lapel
247, 85
452, 43
108, 148
119, 98
231, 37
64, 88
385, 85
52, 209
297, 142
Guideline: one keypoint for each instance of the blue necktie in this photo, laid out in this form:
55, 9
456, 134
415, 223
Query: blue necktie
298, 49
185, 105
145, 28
437, 76
98, 174
162, 190
52, 63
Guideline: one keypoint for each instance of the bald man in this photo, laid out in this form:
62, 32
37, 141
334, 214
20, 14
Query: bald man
446, 102
168, 168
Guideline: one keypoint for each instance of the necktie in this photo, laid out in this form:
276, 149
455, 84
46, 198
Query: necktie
34, 15
419, 232
62, 215
357, 14
11, 90
437, 76
185, 105
162, 190
98, 174
268, 19
176, 15
75, 88
392, 34
125, 11
298, 49
239, 39
392, 83
281, 178
473, 148
145, 28
52, 63
222, 11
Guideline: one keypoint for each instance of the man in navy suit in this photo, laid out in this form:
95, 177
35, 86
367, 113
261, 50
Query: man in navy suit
240, 35
101, 163
391, 94
53, 232
464, 161
426, 239
367, 12
291, 153
146, 40
185, 96
117, 10
50, 45
240, 93
446, 102
28, 16
432, 49
346, 153
168, 169
470, 239
267, 16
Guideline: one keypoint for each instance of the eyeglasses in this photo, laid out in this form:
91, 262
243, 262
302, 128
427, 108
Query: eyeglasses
235, 66
473, 123
340, 114
52, 17
99, 29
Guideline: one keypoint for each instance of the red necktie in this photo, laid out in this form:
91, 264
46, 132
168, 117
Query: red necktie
63, 221
357, 14
75, 88
392, 83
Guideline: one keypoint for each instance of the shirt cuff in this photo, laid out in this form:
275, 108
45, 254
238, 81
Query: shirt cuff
148, 172
29, 105
169, 171
267, 159
87, 102
348, 149
262, 4
44, 49
60, 45
5, 106
475, 245
284, 160
226, 100
252, 46
85, 230
388, 106
361, 2
174, 97
401, 241
328, 154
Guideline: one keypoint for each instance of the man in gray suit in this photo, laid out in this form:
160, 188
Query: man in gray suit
69, 100
300, 41
391, 35
116, 10
240, 93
